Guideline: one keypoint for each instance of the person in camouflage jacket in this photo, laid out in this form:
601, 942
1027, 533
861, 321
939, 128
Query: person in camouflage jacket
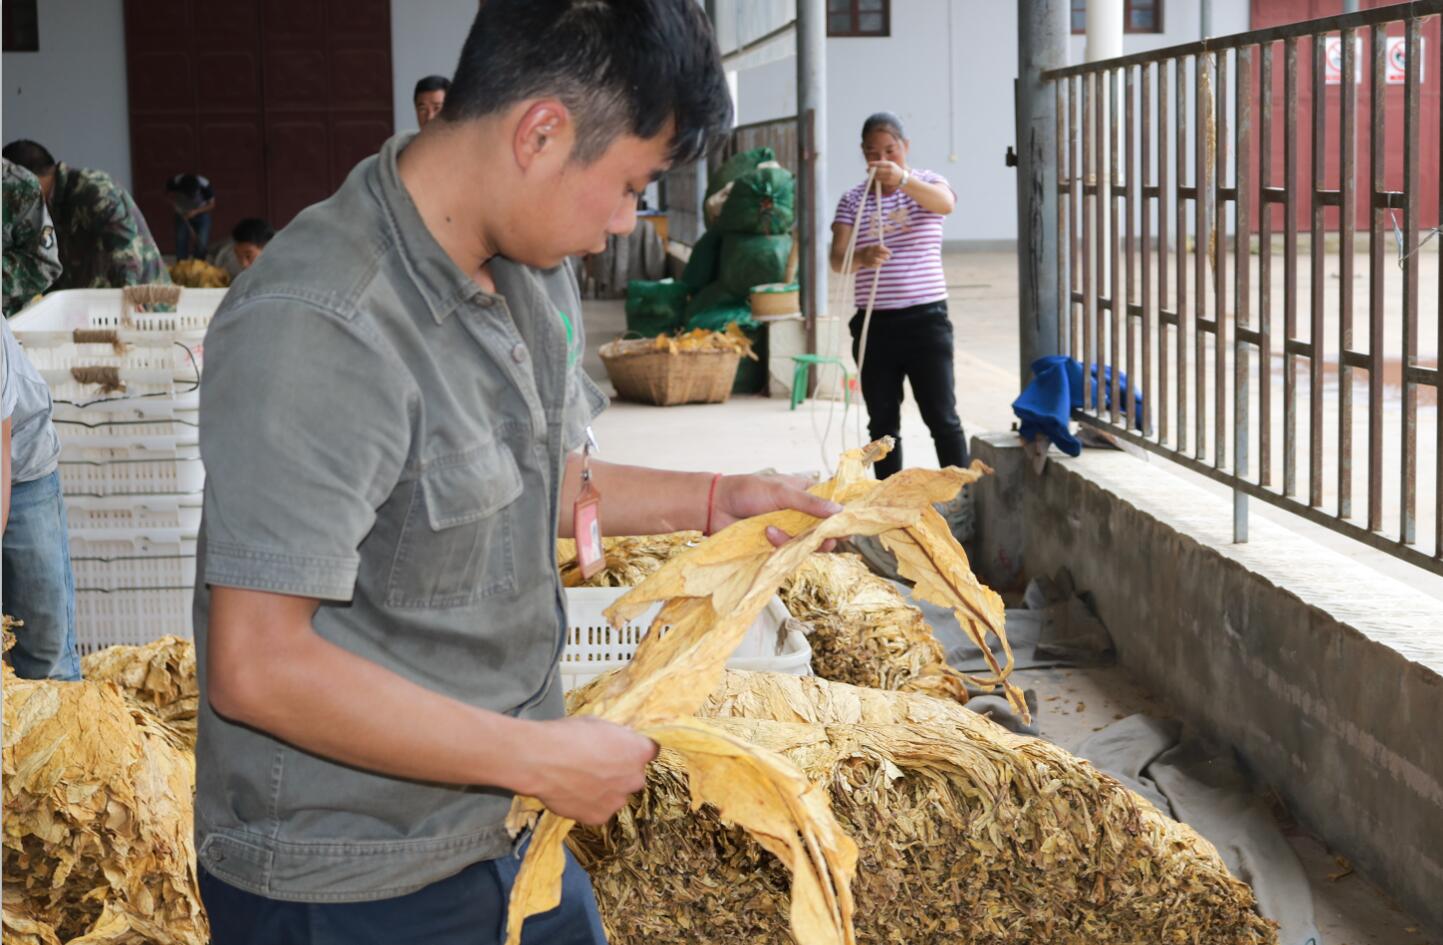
32, 259
103, 237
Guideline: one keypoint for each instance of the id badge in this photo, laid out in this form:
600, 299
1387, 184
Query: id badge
586, 520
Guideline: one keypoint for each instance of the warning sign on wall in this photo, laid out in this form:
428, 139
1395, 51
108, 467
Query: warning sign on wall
1395, 60
1333, 60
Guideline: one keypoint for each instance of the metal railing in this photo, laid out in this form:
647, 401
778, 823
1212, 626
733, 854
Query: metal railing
1171, 185
779, 134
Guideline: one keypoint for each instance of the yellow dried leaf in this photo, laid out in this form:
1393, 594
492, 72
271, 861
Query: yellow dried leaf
967, 833
159, 677
97, 816
709, 598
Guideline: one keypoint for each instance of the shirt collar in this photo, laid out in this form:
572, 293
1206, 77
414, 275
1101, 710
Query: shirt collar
440, 281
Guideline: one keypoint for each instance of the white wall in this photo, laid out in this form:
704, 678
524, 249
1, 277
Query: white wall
1181, 23
426, 38
71, 95
963, 136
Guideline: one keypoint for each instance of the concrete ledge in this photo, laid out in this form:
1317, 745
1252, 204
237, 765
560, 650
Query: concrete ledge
1326, 676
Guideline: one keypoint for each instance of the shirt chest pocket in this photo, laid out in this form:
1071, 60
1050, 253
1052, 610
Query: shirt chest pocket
455, 546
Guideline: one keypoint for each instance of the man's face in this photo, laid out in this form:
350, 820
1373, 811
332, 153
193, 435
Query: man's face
428, 106
578, 205
247, 253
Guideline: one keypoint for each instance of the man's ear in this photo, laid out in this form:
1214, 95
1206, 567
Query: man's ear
544, 132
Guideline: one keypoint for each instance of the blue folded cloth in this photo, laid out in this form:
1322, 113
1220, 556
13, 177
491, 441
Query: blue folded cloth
1046, 406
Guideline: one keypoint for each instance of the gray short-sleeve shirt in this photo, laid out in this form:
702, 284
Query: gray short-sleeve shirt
382, 434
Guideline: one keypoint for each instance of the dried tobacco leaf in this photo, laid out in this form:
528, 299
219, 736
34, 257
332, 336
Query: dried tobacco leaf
629, 560
709, 597
159, 677
97, 819
864, 632
967, 834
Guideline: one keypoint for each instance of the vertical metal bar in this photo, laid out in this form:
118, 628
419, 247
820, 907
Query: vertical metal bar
1411, 261
1114, 246
1182, 299
1201, 177
1159, 394
1220, 267
1149, 179
1130, 175
1242, 240
1089, 183
1347, 241
1316, 255
1074, 157
1265, 272
1290, 265
1064, 291
1377, 236
1099, 330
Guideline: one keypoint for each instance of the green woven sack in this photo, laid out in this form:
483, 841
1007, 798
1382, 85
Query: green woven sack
655, 308
763, 201
737, 165
714, 308
748, 261
701, 267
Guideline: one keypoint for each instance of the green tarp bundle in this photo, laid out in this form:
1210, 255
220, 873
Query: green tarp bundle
655, 308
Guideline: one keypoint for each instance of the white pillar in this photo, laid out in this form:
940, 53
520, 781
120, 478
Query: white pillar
1104, 29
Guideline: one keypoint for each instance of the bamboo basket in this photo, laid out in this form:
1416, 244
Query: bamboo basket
666, 379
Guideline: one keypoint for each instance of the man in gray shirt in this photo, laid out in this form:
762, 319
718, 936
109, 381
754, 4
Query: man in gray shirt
391, 416
37, 586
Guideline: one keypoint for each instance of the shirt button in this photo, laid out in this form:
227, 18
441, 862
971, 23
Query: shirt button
518, 353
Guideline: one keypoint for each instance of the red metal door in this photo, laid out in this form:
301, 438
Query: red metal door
327, 94
1266, 13
275, 102
195, 105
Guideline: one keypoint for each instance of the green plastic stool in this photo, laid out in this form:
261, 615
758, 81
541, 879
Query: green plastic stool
803, 363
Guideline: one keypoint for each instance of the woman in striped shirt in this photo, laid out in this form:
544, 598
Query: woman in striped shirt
899, 248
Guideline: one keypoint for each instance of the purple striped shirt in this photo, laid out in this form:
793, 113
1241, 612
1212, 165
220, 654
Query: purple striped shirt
913, 276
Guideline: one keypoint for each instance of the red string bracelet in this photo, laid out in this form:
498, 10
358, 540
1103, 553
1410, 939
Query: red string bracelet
711, 503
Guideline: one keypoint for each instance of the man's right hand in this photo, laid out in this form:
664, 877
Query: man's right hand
584, 769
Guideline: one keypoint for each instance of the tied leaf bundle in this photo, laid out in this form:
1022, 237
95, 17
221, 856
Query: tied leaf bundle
97, 825
709, 597
967, 835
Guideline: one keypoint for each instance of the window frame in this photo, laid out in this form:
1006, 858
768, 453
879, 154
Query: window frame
11, 36
1159, 22
855, 13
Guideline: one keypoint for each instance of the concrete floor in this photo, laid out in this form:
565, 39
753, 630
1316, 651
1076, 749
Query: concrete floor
750, 433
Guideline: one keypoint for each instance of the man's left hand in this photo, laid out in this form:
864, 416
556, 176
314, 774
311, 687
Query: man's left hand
739, 497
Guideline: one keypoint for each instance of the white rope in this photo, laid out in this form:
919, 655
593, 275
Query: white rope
844, 286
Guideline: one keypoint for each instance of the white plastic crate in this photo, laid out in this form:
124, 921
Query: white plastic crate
146, 410
594, 647
123, 559
134, 617
178, 359
169, 344
55, 318
100, 514
131, 471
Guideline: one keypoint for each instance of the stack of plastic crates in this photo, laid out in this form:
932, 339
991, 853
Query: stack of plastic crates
124, 371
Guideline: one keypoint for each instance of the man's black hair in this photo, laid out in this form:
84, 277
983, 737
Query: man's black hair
884, 121
29, 155
252, 230
432, 83
620, 67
